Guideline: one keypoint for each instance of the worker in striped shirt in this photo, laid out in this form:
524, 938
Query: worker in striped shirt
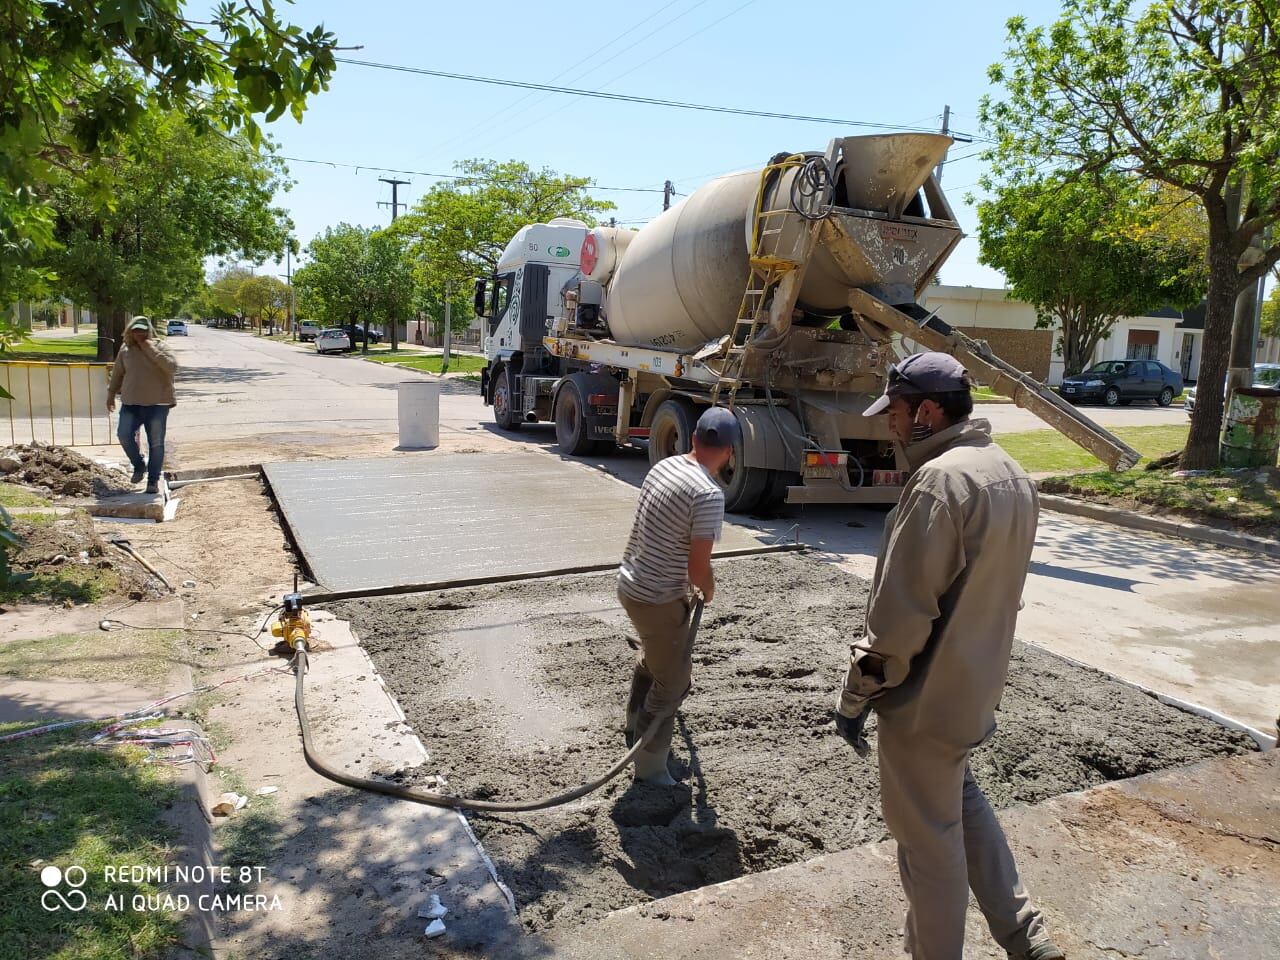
667, 560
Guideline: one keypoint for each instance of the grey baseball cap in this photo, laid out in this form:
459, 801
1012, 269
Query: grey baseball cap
139, 323
922, 373
718, 427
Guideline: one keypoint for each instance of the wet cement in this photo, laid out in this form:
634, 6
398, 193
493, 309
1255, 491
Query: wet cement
517, 692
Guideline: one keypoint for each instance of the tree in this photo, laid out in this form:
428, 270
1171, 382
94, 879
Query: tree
458, 229
225, 289
1086, 251
1271, 314
79, 77
356, 274
264, 298
177, 198
1183, 92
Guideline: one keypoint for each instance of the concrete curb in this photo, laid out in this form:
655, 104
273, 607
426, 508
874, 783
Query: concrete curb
1197, 532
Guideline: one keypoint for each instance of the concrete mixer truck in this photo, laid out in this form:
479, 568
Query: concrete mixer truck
782, 293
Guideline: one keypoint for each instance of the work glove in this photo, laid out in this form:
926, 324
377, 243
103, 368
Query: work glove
851, 729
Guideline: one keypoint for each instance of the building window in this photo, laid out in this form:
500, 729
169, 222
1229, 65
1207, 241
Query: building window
1143, 345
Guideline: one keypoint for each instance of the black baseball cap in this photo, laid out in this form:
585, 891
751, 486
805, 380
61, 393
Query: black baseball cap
922, 373
718, 427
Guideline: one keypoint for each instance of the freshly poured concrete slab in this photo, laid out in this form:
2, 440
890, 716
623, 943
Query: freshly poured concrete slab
397, 521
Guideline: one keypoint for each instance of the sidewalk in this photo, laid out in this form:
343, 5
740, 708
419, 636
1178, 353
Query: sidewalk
1180, 864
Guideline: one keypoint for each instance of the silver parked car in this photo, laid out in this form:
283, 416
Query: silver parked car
1264, 375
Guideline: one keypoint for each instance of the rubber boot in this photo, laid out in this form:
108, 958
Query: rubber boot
652, 768
1044, 950
640, 684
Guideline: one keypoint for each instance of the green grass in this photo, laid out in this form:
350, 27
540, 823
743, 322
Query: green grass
142, 656
458, 362
78, 348
1047, 451
65, 803
986, 395
12, 495
1239, 498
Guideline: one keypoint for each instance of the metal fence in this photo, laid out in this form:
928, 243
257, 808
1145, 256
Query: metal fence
54, 402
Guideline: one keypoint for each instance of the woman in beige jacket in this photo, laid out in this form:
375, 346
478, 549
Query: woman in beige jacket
142, 377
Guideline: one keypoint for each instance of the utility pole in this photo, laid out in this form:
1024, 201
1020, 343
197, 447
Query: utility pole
395, 212
288, 278
667, 191
395, 196
947, 132
446, 335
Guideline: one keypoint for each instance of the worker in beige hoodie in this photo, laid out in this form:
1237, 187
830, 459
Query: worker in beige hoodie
142, 377
933, 661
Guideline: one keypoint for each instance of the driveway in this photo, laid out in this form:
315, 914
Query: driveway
1193, 621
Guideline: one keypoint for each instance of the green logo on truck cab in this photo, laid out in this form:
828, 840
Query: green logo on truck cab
559, 251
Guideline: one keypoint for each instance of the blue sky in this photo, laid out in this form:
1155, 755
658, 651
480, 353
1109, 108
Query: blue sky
882, 62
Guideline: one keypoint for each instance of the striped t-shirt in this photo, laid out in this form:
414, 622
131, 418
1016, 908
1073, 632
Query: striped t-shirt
679, 503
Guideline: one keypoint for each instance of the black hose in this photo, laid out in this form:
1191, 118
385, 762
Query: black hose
317, 763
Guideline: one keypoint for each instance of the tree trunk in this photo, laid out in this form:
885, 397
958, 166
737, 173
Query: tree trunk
111, 324
1201, 451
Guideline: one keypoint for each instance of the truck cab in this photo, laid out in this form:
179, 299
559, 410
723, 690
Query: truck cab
517, 305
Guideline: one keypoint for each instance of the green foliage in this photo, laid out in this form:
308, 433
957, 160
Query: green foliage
1181, 92
356, 274
1085, 251
80, 77
458, 230
264, 298
1271, 314
176, 199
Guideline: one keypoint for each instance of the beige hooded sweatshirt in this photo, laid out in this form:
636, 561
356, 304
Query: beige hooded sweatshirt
948, 584
143, 377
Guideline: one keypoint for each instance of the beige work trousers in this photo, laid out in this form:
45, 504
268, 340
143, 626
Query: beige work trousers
660, 679
949, 842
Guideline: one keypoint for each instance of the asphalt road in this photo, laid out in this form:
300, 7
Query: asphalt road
1192, 621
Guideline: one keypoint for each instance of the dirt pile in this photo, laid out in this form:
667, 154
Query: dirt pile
67, 561
518, 691
62, 472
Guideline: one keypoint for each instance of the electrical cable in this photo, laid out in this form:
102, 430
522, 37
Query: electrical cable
456, 176
104, 624
320, 766
632, 98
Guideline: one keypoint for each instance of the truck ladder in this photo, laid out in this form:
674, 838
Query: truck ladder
1025, 390
774, 281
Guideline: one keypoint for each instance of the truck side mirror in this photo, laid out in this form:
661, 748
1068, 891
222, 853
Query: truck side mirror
481, 298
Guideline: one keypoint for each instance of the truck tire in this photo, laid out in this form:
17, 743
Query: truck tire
744, 487
671, 431
503, 415
572, 434
775, 492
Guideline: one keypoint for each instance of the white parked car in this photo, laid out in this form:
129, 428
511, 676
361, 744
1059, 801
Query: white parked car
176, 328
333, 341
1264, 375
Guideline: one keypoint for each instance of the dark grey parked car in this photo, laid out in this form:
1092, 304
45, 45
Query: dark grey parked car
1122, 381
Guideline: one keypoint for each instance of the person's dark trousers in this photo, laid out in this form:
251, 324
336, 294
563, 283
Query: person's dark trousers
150, 417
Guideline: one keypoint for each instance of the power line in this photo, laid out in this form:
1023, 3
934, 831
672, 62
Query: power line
630, 98
575, 69
626, 73
455, 176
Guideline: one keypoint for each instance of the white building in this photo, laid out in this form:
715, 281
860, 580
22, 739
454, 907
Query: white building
1171, 336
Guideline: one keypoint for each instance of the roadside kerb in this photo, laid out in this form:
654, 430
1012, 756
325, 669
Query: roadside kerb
1198, 532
